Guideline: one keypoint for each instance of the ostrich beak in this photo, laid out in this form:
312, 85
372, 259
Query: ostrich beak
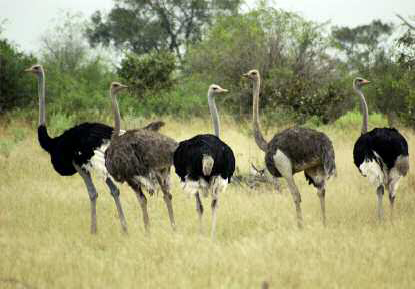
245, 75
28, 70
224, 90
365, 81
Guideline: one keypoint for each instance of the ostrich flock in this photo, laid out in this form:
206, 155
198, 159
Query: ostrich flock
205, 164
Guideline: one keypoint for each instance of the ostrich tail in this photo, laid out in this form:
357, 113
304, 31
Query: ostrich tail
402, 165
207, 165
329, 161
154, 126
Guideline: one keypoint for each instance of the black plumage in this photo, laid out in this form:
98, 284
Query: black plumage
189, 155
387, 143
75, 145
380, 154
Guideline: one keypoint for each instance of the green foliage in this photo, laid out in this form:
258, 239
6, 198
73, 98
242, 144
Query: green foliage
77, 81
290, 54
142, 26
150, 72
353, 120
186, 99
15, 85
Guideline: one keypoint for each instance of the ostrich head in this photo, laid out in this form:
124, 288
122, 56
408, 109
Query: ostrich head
358, 82
252, 74
37, 69
117, 87
216, 89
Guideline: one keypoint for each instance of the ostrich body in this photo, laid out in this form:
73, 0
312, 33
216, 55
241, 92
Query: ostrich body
205, 163
141, 158
294, 150
380, 154
79, 150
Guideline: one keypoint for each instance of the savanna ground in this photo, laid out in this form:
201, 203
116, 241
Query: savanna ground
45, 240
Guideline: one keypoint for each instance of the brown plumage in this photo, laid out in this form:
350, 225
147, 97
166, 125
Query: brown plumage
140, 157
294, 150
138, 153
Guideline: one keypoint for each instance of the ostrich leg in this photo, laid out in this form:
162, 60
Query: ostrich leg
215, 200
92, 196
115, 194
297, 200
392, 187
321, 192
143, 202
284, 166
163, 179
199, 210
379, 192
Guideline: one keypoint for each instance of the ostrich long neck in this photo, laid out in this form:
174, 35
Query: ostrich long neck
364, 109
117, 117
213, 112
259, 138
41, 93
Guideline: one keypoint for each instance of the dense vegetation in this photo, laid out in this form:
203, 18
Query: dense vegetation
307, 67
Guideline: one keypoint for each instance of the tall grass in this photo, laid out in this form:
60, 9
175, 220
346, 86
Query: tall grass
45, 240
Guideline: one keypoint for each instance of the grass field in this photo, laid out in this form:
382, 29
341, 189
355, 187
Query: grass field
45, 240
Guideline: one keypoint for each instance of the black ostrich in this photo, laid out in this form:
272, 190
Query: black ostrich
205, 163
380, 154
294, 150
79, 150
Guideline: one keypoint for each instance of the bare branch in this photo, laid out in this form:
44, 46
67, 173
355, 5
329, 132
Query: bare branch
406, 22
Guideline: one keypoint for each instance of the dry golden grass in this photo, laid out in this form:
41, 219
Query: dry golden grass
45, 240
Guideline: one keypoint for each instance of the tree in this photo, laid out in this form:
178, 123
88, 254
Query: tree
406, 22
362, 44
145, 25
64, 45
290, 53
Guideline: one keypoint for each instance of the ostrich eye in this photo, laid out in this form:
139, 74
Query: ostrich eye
254, 73
215, 88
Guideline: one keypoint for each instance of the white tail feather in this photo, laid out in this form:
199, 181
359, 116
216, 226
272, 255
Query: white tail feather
207, 165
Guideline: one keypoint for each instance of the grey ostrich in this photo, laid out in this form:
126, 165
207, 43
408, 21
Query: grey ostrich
294, 150
141, 158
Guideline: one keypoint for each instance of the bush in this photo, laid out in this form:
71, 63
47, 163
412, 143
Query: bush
15, 87
150, 72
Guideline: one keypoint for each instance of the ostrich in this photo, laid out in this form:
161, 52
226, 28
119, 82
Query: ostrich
205, 163
141, 158
294, 150
79, 150
380, 154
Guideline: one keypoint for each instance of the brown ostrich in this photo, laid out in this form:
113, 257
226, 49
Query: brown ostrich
294, 150
141, 158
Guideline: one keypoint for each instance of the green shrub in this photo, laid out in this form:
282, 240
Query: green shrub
15, 86
150, 72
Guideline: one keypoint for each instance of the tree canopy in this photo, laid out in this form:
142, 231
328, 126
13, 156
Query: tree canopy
145, 25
